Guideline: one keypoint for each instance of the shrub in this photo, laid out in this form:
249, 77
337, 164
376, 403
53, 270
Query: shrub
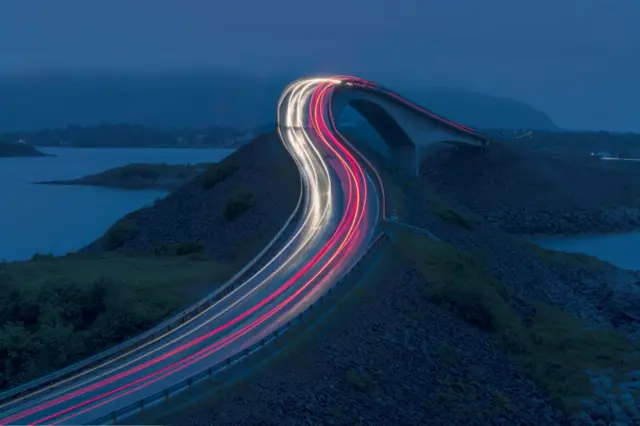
180, 249
122, 231
237, 204
216, 174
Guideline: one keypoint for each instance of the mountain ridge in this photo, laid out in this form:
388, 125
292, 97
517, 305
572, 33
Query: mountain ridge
197, 99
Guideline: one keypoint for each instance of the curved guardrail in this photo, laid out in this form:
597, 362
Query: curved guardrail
207, 374
164, 327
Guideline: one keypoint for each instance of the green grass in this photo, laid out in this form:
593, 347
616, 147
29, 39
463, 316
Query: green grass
216, 174
553, 347
56, 311
237, 204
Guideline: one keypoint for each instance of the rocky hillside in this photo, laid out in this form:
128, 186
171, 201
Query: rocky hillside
527, 191
232, 209
479, 328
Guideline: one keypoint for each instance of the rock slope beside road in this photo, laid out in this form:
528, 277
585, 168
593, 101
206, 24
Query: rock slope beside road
260, 179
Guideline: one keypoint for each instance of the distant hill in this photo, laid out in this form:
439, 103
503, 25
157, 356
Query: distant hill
200, 99
19, 150
482, 111
133, 136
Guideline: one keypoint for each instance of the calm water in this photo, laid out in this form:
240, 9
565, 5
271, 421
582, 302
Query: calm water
58, 219
622, 250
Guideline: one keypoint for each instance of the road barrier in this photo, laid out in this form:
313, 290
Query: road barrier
208, 373
164, 327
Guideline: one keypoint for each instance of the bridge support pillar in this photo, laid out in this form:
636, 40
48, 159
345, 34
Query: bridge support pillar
406, 157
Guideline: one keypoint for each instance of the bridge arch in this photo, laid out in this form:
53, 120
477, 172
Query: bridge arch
407, 132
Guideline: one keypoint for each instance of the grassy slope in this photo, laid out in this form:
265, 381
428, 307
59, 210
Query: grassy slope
55, 311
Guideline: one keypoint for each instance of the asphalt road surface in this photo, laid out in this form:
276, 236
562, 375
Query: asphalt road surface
341, 213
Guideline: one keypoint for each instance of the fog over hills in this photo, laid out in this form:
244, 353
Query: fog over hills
195, 99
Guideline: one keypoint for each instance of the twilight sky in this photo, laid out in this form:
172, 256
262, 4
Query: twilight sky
578, 60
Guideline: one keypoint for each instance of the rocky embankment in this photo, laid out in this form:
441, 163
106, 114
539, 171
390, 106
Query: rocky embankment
384, 356
232, 209
163, 177
532, 192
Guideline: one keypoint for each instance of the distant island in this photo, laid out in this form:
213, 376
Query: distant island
127, 135
163, 177
20, 150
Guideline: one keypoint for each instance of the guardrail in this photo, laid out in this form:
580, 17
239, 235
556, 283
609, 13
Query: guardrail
207, 374
164, 327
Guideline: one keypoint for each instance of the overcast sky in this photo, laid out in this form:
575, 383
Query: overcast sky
578, 60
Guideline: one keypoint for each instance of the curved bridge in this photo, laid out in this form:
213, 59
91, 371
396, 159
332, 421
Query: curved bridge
336, 226
407, 129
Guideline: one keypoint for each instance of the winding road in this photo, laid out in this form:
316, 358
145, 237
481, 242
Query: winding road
341, 210
343, 204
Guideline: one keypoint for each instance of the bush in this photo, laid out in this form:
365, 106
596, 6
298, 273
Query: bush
180, 249
122, 231
216, 174
237, 204
57, 310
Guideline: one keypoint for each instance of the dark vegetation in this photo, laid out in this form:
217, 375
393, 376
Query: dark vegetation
56, 311
19, 150
533, 191
123, 230
237, 204
131, 136
216, 174
140, 176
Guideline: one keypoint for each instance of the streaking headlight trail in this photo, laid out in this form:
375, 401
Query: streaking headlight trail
340, 212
